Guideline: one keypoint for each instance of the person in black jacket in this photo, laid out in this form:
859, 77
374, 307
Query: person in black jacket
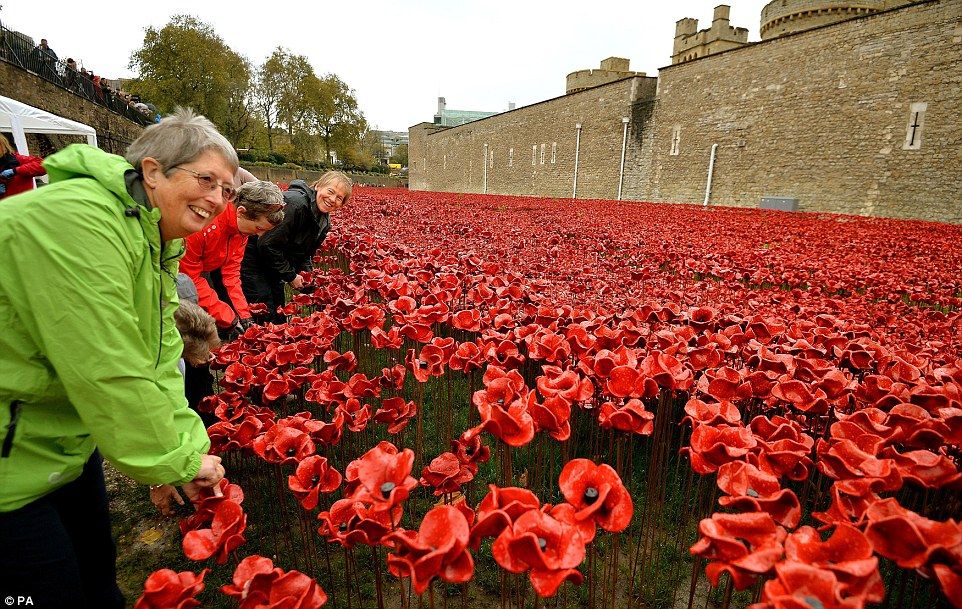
276, 257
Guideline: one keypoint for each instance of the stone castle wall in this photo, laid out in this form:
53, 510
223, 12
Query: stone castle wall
114, 132
821, 115
531, 150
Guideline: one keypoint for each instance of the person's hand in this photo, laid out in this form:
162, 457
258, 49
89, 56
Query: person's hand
161, 496
210, 474
298, 282
6, 174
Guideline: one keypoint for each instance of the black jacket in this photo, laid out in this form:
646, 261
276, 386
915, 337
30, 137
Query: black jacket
287, 249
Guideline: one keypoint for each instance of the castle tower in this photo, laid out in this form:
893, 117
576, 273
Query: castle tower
611, 69
782, 17
690, 43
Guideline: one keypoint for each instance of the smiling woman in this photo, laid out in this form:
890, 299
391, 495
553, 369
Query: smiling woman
88, 356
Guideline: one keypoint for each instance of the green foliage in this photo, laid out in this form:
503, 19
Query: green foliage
186, 63
400, 155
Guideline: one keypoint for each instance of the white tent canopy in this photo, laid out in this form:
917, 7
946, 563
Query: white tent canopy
20, 118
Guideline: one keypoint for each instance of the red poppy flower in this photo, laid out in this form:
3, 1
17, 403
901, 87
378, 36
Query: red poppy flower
567, 384
553, 416
166, 589
470, 451
512, 422
337, 361
784, 448
237, 377
630, 416
801, 586
846, 460
393, 377
798, 394
667, 371
499, 508
565, 512
742, 545
550, 347
366, 317
847, 554
909, 539
753, 490
383, 476
711, 413
429, 362
258, 584
467, 357
225, 534
597, 493
245, 571
357, 414
313, 476
550, 548
283, 444
351, 522
446, 474
925, 468
711, 447
392, 339
437, 549
396, 413
503, 354
275, 388
468, 320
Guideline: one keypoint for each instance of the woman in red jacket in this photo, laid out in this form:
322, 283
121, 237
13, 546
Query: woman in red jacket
17, 171
213, 257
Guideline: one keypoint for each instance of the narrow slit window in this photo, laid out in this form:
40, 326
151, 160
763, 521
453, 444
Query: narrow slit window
554, 152
675, 140
510, 157
534, 154
913, 131
542, 154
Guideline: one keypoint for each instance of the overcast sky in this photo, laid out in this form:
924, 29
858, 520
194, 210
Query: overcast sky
398, 56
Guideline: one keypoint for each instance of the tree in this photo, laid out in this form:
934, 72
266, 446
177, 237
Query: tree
186, 63
334, 115
267, 92
400, 155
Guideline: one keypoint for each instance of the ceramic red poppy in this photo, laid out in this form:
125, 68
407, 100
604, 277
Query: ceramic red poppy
167, 589
283, 444
313, 476
549, 548
437, 549
226, 533
446, 473
743, 545
499, 508
597, 493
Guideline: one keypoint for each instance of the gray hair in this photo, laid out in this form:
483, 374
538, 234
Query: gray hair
180, 138
260, 198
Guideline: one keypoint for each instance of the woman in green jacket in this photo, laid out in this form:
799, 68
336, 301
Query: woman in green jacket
89, 350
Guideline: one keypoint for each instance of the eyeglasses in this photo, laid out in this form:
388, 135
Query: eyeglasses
208, 183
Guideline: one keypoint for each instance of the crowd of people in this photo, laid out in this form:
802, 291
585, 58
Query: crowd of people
44, 61
91, 368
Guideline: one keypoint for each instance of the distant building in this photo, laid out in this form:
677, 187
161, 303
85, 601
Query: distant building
390, 140
455, 118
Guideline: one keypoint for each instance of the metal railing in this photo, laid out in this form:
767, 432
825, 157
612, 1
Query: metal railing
17, 49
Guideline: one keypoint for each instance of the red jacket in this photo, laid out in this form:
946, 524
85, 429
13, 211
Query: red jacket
219, 246
22, 180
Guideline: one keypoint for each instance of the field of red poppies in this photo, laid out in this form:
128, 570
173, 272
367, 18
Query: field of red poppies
516, 402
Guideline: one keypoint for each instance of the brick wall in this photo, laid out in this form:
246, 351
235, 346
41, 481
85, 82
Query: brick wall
114, 132
820, 115
454, 159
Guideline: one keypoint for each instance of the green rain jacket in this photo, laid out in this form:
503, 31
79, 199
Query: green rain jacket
88, 345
